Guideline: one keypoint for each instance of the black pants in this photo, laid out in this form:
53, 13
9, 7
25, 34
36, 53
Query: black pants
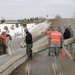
30, 54
29, 50
3, 47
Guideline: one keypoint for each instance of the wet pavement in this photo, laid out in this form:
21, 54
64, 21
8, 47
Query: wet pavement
42, 65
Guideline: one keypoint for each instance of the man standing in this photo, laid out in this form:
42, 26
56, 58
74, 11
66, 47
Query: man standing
67, 35
56, 41
29, 44
49, 37
3, 42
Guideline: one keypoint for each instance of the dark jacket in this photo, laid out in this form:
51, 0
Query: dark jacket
28, 38
8, 35
66, 34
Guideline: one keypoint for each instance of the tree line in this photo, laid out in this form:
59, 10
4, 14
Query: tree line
27, 19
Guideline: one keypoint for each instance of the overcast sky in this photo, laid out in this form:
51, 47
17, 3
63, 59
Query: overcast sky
16, 9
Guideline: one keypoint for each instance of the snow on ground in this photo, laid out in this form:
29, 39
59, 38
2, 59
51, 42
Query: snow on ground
39, 30
35, 29
17, 31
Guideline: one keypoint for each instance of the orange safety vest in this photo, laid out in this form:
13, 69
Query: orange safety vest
49, 33
4, 38
56, 37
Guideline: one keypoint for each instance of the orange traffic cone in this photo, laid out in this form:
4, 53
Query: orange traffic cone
63, 53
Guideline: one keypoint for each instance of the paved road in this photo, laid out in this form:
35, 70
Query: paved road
42, 65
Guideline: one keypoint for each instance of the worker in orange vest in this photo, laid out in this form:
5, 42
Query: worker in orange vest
3, 42
4, 37
49, 37
56, 41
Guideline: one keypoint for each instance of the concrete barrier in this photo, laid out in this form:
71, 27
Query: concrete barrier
40, 47
69, 41
9, 62
66, 42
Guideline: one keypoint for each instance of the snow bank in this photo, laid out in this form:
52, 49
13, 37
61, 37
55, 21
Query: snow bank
40, 30
37, 30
